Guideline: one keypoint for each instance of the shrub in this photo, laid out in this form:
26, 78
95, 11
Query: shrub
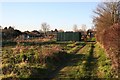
110, 39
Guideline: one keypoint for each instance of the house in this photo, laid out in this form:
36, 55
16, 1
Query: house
29, 35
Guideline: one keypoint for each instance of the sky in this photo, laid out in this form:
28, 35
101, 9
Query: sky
59, 15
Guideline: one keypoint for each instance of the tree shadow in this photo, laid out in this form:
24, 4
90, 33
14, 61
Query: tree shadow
91, 65
74, 59
49, 73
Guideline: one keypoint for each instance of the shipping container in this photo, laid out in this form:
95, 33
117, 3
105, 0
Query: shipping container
68, 36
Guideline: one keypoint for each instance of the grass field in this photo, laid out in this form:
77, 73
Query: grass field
55, 60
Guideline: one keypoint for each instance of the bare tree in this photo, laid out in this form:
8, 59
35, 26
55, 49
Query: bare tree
45, 27
40, 31
107, 14
75, 29
83, 27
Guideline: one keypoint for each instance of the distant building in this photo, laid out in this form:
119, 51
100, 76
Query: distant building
29, 35
68, 36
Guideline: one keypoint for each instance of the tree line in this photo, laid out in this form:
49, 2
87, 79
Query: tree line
107, 24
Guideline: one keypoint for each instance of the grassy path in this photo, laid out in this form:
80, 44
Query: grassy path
71, 58
80, 66
88, 62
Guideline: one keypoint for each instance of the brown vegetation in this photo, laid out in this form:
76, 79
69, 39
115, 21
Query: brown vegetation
108, 28
111, 42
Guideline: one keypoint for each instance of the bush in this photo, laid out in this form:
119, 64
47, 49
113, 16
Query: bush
110, 39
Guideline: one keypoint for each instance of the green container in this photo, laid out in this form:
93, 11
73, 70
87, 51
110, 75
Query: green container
68, 36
